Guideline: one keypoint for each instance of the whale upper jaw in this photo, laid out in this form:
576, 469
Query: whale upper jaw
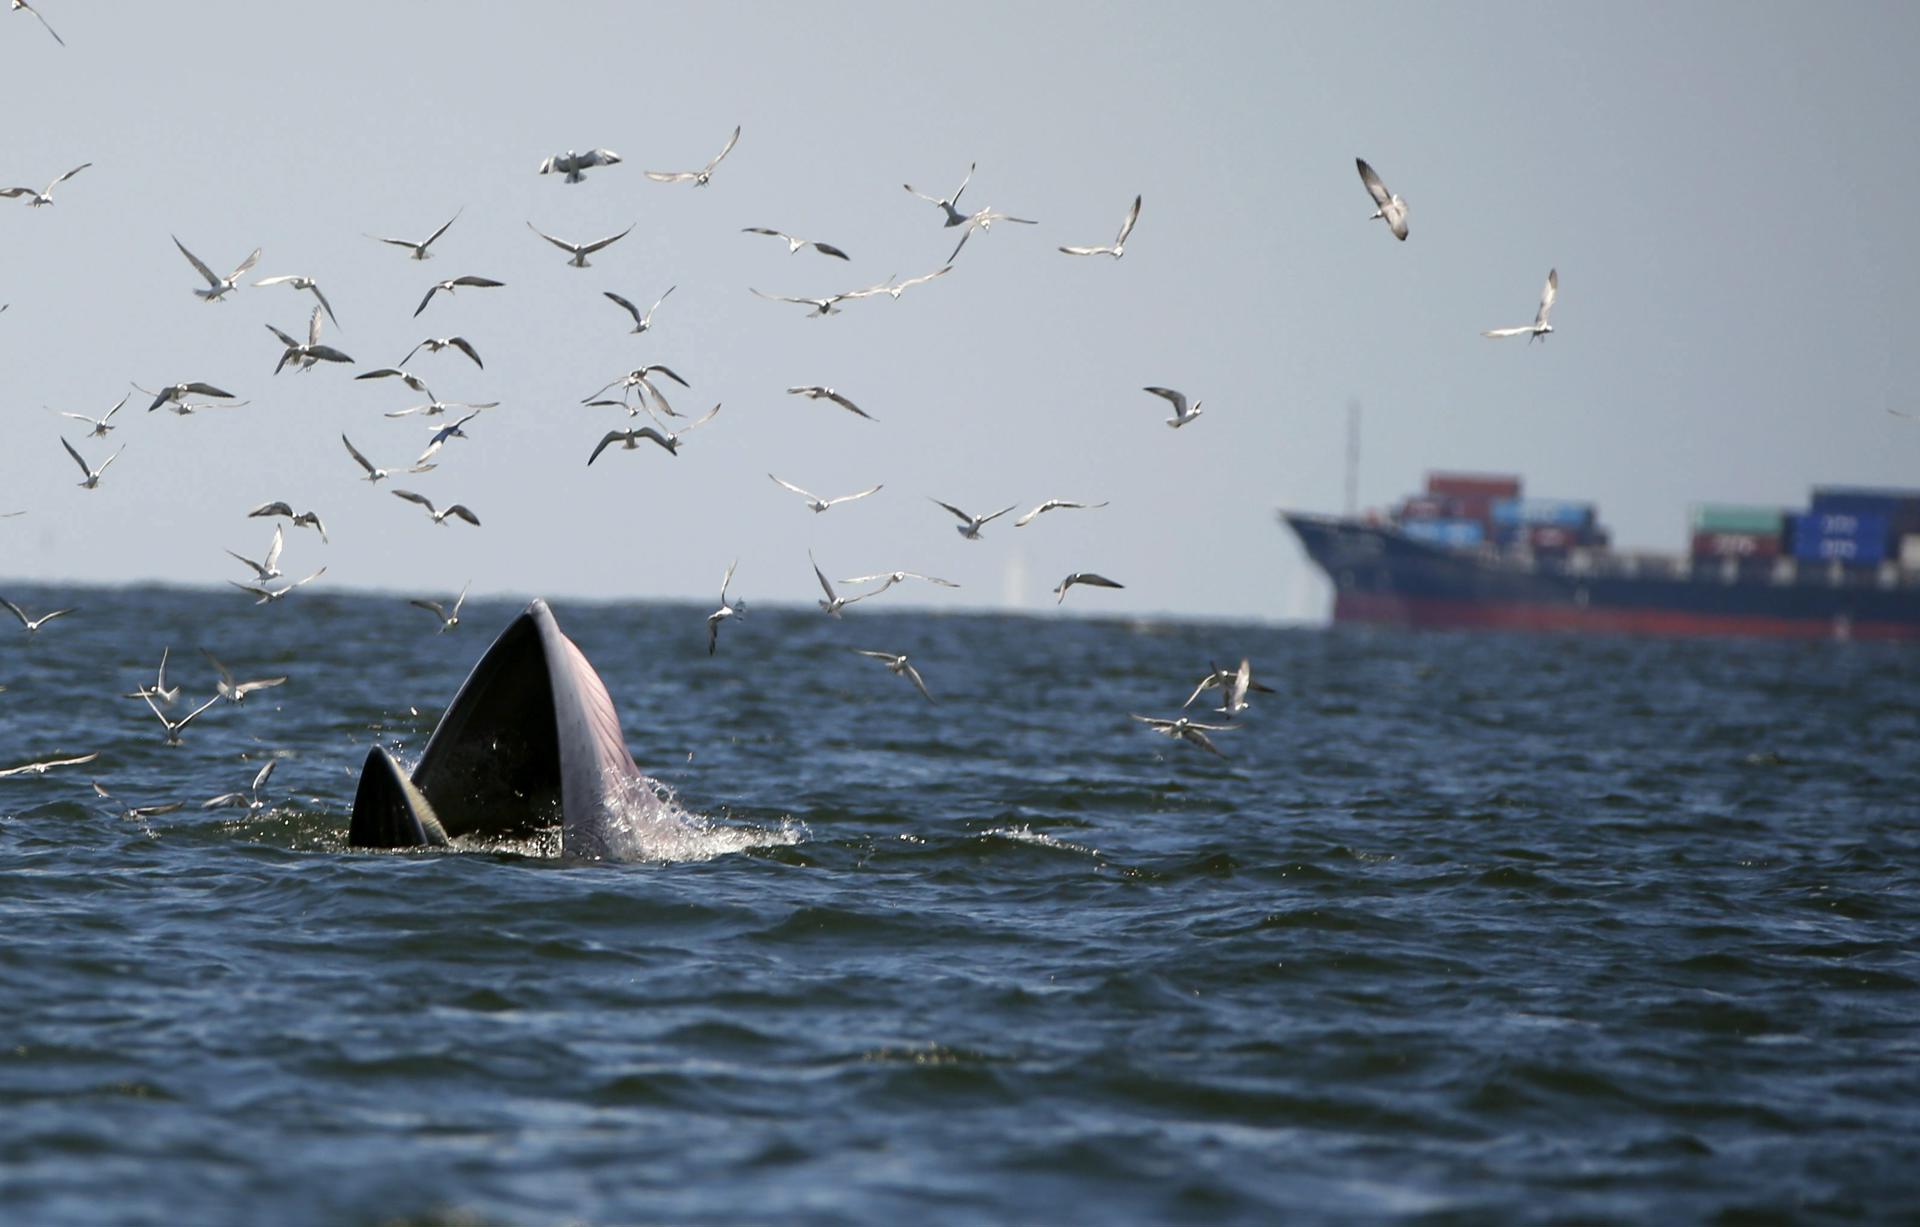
531, 740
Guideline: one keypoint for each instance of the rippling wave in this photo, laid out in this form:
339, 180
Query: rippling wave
1462, 929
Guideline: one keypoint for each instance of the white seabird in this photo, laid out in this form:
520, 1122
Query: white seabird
1118, 247
217, 287
821, 504
1387, 207
699, 177
1540, 327
1181, 413
970, 528
37, 199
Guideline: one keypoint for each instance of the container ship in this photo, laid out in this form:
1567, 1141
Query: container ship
1473, 551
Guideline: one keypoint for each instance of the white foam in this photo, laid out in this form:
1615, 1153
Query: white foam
1027, 835
649, 824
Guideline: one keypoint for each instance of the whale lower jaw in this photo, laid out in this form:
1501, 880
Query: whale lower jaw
530, 741
389, 812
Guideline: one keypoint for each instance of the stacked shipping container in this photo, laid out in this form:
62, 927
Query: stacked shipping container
1465, 510
1851, 526
1863, 527
1728, 531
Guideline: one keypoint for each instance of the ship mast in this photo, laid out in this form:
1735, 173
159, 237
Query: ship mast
1353, 458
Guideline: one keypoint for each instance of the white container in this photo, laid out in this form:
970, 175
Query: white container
1910, 551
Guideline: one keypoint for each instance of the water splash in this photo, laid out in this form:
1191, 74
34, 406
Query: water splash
648, 823
1025, 834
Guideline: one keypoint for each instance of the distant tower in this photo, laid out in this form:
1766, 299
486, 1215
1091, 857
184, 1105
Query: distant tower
1353, 458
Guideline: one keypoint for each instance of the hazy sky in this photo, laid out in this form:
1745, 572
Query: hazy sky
1723, 189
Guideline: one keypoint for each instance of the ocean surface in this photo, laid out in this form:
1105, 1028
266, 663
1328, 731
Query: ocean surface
1464, 929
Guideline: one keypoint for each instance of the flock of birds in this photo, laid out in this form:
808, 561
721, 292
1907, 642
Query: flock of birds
640, 391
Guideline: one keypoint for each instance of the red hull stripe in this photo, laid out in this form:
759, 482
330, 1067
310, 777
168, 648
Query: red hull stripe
1434, 613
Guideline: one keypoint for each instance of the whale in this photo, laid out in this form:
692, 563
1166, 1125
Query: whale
531, 741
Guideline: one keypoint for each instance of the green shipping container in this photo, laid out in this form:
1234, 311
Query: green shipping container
1730, 518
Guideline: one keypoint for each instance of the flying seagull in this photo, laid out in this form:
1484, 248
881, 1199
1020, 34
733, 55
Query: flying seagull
167, 695
377, 474
458, 510
251, 798
946, 204
21, 6
36, 199
440, 437
822, 306
1540, 327
638, 378
816, 392
448, 618
983, 222
42, 768
834, 602
419, 249
179, 392
304, 355
1181, 413
305, 519
821, 504
970, 529
269, 595
728, 609
1184, 729
451, 284
33, 625
1230, 681
894, 288
1052, 504
897, 577
795, 243
629, 440
174, 726
436, 407
1236, 687
575, 165
1118, 247
640, 322
100, 426
217, 287
1082, 577
1387, 207
700, 176
135, 813
93, 475
580, 250
299, 282
269, 568
230, 688
407, 377
896, 663
434, 345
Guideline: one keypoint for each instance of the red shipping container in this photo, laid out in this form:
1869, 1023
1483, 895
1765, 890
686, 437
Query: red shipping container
1487, 486
1475, 507
1736, 545
1550, 537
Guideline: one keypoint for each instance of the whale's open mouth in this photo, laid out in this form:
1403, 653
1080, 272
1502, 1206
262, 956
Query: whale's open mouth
530, 741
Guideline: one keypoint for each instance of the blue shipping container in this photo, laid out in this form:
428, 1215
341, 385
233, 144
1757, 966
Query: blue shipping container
1454, 534
1561, 513
1835, 537
1900, 507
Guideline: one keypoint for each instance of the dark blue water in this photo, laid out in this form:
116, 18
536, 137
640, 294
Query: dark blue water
1465, 930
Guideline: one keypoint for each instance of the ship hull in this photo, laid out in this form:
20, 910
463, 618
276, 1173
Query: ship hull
1383, 577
